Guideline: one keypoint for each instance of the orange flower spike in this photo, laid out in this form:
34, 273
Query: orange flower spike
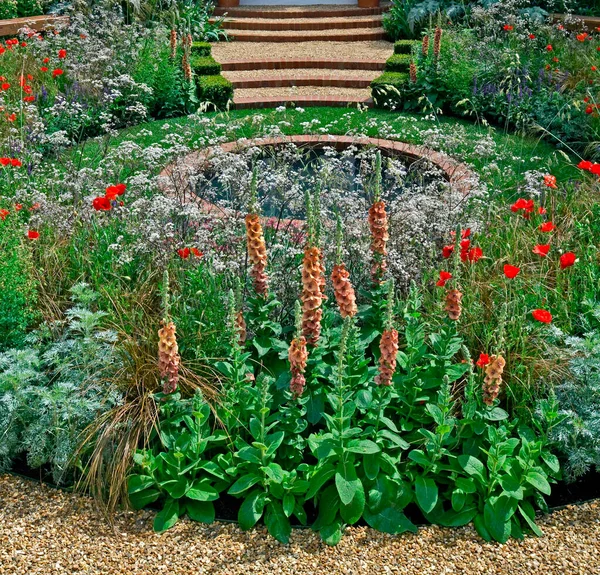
453, 304
240, 326
298, 356
257, 253
378, 224
340, 278
388, 346
168, 357
311, 295
493, 379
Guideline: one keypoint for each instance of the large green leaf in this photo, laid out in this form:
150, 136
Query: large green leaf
202, 491
496, 522
539, 481
277, 523
140, 499
427, 493
139, 483
251, 509
244, 483
352, 512
389, 520
347, 483
364, 446
203, 511
472, 465
319, 479
331, 534
168, 516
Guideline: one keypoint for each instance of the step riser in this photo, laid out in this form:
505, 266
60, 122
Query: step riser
290, 82
325, 37
288, 14
304, 63
301, 101
280, 26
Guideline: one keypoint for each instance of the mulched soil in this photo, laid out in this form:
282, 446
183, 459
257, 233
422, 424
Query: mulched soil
44, 531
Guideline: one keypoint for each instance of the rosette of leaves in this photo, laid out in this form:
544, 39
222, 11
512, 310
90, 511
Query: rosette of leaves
177, 473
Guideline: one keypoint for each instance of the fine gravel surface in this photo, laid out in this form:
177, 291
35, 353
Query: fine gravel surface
302, 73
292, 92
49, 532
375, 50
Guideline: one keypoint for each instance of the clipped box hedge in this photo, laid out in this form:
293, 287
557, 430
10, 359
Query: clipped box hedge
404, 46
387, 89
201, 49
205, 66
398, 63
215, 89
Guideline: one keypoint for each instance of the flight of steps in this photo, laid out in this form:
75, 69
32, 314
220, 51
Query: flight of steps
302, 55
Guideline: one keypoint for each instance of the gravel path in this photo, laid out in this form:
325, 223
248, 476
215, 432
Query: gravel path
48, 532
375, 50
291, 92
302, 73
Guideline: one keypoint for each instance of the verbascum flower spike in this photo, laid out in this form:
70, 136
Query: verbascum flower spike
257, 253
311, 295
173, 43
298, 356
168, 357
437, 42
344, 291
453, 304
492, 381
388, 346
378, 224
425, 46
240, 326
413, 72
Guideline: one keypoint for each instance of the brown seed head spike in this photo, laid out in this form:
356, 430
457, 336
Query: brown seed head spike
312, 297
425, 45
413, 72
298, 356
168, 357
437, 42
240, 326
343, 290
453, 304
387, 361
378, 224
257, 253
173, 43
493, 379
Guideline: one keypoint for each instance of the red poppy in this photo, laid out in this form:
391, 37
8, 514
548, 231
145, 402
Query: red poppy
15, 163
595, 169
18, 207
196, 252
34, 207
567, 260
33, 235
483, 360
550, 181
549, 48
541, 210
465, 244
508, 28
542, 315
57, 72
582, 37
593, 68
585, 165
11, 117
511, 272
523, 204
46, 60
29, 99
464, 234
532, 36
541, 250
474, 254
184, 253
447, 251
44, 69
589, 110
3, 214
62, 54
547, 227
444, 277
101, 204
5, 86
5, 161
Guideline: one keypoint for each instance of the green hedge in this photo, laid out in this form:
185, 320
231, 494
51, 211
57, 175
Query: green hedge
205, 66
398, 63
404, 46
387, 89
215, 89
8, 9
29, 8
201, 49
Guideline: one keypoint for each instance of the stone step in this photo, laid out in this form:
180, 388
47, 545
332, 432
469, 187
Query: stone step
36, 23
300, 97
304, 77
302, 23
296, 63
293, 12
354, 35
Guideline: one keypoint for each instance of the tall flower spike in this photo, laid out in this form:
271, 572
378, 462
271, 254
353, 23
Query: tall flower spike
493, 379
437, 42
298, 356
425, 46
168, 357
453, 304
388, 346
311, 295
173, 43
378, 224
413, 72
255, 240
340, 278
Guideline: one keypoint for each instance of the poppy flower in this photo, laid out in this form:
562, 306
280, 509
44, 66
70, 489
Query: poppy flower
541, 210
5, 162
18, 207
567, 260
444, 277
62, 54
11, 117
547, 227
5, 86
508, 28
184, 253
483, 360
541, 250
582, 37
511, 272
589, 109
542, 315
585, 165
474, 254
29, 99
549, 48
33, 235
550, 181
196, 252
101, 204
46, 60
465, 244
595, 169
593, 69
464, 234
15, 163
44, 69
57, 72
532, 36
34, 207
447, 251
3, 214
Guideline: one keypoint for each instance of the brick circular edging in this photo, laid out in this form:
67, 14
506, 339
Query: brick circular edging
174, 179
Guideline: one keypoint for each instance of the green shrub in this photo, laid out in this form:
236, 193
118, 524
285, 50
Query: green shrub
205, 66
8, 9
398, 63
404, 46
29, 8
201, 49
215, 89
386, 89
